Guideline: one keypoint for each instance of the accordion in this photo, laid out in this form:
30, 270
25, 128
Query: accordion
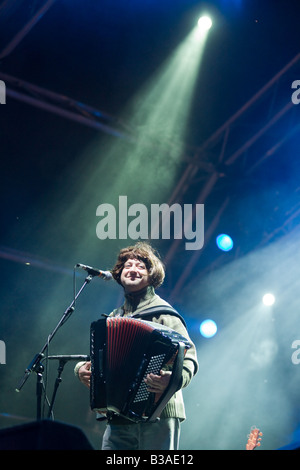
123, 351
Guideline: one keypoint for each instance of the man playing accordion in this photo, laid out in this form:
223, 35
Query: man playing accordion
140, 271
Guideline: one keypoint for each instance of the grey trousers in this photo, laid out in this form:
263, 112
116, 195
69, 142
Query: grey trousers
160, 435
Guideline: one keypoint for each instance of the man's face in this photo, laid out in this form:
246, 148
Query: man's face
134, 275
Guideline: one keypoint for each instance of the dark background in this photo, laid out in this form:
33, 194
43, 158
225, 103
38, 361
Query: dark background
55, 172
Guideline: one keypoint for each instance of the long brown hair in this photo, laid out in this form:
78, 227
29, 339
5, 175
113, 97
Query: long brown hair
144, 252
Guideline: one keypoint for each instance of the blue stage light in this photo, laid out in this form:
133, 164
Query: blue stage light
208, 328
224, 242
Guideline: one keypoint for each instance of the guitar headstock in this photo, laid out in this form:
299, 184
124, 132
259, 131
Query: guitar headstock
254, 438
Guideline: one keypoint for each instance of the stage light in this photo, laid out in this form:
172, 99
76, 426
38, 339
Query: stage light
224, 242
208, 328
268, 299
204, 23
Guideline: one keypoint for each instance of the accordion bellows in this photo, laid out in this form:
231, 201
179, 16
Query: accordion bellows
123, 351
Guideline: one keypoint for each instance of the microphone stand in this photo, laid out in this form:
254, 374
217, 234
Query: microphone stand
62, 362
57, 382
36, 366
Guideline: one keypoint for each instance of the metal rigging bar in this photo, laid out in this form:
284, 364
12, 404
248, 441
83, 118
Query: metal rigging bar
64, 106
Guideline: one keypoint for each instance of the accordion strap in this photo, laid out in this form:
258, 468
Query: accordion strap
149, 312
174, 385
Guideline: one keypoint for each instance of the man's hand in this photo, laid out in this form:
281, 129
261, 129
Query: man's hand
84, 374
158, 383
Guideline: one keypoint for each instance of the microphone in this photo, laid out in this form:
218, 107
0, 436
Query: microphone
73, 357
106, 275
